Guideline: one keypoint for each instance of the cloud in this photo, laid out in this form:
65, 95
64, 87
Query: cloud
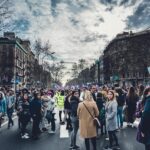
141, 17
78, 28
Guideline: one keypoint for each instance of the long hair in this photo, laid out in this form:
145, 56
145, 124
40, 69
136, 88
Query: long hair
88, 96
145, 95
113, 93
131, 93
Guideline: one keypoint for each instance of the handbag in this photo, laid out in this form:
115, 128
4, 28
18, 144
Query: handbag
95, 119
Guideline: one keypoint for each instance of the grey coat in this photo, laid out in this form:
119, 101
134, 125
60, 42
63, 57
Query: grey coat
111, 115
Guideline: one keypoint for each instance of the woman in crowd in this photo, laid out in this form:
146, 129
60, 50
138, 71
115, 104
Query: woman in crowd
10, 105
140, 91
24, 114
51, 111
74, 102
68, 110
131, 102
2, 106
36, 107
87, 127
144, 126
101, 107
111, 120
45, 101
121, 102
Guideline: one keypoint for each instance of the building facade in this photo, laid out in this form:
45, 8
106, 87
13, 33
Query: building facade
126, 59
18, 65
13, 59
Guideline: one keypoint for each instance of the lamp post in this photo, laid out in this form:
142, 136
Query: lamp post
98, 71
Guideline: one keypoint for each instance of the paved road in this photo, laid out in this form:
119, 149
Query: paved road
10, 140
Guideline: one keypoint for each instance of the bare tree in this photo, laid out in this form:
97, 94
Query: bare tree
5, 14
42, 50
56, 70
75, 70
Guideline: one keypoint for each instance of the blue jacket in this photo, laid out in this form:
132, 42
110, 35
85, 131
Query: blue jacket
3, 106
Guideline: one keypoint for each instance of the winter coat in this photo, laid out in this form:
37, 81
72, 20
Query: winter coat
111, 115
121, 100
74, 102
86, 124
25, 113
3, 106
145, 121
35, 108
67, 103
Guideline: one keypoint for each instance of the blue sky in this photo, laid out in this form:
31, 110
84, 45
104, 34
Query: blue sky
78, 28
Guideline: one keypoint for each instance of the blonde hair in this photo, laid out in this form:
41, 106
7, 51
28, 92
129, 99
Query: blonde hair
88, 96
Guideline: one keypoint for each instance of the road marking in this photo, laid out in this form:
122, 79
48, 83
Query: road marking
63, 132
3, 124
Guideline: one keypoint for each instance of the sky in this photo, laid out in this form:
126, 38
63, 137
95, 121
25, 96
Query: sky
78, 29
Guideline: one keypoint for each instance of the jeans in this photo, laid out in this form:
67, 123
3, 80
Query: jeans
52, 121
87, 143
112, 138
9, 114
75, 126
120, 116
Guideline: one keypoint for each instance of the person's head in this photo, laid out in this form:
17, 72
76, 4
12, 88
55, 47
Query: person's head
99, 95
119, 91
131, 92
75, 93
111, 95
141, 90
88, 96
62, 93
37, 95
25, 97
93, 89
146, 93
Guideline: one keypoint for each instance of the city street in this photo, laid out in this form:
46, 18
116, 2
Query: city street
60, 140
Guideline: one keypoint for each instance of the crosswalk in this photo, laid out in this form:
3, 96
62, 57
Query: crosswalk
63, 132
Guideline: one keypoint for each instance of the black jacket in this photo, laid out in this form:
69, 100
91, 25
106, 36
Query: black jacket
121, 100
145, 121
36, 108
74, 102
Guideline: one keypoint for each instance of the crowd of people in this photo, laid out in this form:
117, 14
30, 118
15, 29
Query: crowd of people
80, 109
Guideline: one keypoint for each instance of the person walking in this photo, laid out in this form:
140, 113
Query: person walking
121, 102
10, 105
2, 107
44, 101
35, 109
74, 102
67, 107
87, 110
25, 115
131, 103
60, 100
111, 120
144, 126
101, 107
51, 112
